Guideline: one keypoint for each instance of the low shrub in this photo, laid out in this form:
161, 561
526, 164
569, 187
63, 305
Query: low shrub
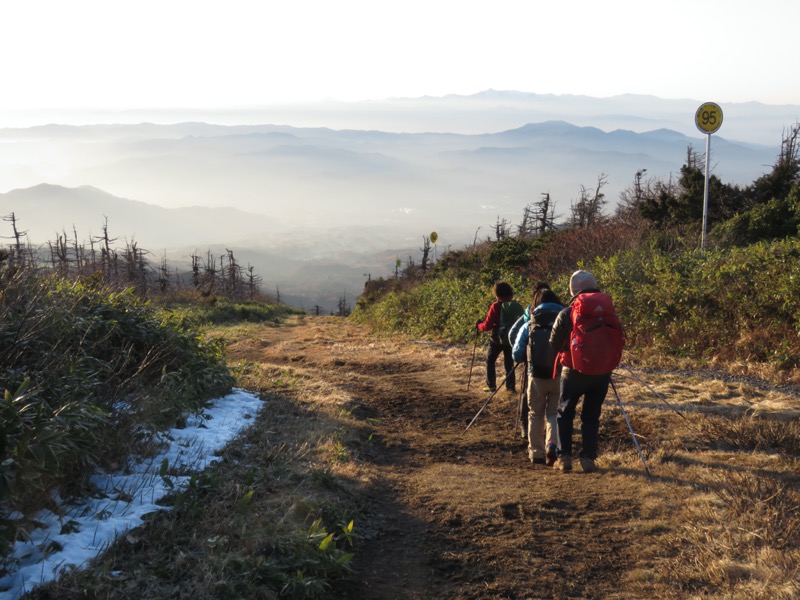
725, 305
87, 372
445, 307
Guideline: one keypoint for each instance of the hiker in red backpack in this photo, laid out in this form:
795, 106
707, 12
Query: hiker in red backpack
502, 314
589, 338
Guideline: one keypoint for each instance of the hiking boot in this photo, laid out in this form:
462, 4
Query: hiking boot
588, 466
489, 389
564, 463
539, 461
551, 456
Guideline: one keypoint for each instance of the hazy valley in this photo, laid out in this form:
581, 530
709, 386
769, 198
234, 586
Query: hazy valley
317, 210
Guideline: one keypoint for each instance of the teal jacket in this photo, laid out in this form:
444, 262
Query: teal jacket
520, 332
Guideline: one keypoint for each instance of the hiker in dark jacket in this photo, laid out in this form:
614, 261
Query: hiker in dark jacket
543, 382
574, 384
521, 356
503, 293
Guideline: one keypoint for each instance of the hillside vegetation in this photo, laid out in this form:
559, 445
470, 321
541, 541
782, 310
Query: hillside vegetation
735, 303
90, 371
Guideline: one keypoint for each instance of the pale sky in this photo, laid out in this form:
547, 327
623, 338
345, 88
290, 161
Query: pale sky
123, 54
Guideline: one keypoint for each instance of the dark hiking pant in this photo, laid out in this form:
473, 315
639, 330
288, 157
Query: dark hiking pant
593, 389
495, 349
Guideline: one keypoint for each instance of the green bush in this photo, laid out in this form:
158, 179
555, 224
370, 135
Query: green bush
776, 219
195, 311
736, 304
445, 307
87, 372
732, 304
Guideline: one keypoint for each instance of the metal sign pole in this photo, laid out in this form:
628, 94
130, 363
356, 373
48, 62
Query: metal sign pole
708, 119
705, 195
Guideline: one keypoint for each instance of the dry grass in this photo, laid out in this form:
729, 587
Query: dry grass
720, 517
739, 537
252, 524
730, 466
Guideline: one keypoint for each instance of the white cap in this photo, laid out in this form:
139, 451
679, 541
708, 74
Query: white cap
580, 281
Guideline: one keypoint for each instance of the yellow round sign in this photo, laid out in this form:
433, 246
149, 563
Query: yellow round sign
434, 237
708, 117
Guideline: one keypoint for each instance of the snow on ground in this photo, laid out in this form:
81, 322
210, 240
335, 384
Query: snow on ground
82, 531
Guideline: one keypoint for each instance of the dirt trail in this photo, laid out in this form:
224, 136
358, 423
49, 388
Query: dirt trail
450, 514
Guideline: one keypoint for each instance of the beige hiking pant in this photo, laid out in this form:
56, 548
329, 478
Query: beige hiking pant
542, 414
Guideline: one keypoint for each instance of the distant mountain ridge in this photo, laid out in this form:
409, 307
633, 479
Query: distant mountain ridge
294, 188
45, 211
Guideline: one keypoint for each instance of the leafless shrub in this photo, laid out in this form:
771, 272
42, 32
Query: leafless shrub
573, 246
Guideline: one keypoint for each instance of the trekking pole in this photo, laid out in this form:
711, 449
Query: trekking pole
472, 364
633, 435
489, 399
521, 407
649, 387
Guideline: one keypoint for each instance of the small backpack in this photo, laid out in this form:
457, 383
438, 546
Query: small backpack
540, 353
597, 338
510, 311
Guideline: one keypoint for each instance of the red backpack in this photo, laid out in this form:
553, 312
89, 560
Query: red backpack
597, 338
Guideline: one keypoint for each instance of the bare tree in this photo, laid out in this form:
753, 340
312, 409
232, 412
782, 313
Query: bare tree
17, 256
343, 309
108, 257
93, 255
630, 199
545, 215
426, 250
59, 256
253, 281
78, 251
410, 269
588, 210
527, 227
502, 229
210, 272
233, 273
163, 275
196, 279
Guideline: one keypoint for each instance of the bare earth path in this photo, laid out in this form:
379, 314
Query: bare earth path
372, 429
448, 514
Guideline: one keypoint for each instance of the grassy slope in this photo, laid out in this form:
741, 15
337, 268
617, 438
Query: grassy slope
738, 309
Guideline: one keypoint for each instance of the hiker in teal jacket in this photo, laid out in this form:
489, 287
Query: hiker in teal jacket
522, 409
543, 386
498, 343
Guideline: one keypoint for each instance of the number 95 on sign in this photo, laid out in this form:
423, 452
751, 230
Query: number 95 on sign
708, 117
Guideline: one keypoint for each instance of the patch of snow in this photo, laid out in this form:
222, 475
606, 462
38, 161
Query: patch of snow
81, 532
